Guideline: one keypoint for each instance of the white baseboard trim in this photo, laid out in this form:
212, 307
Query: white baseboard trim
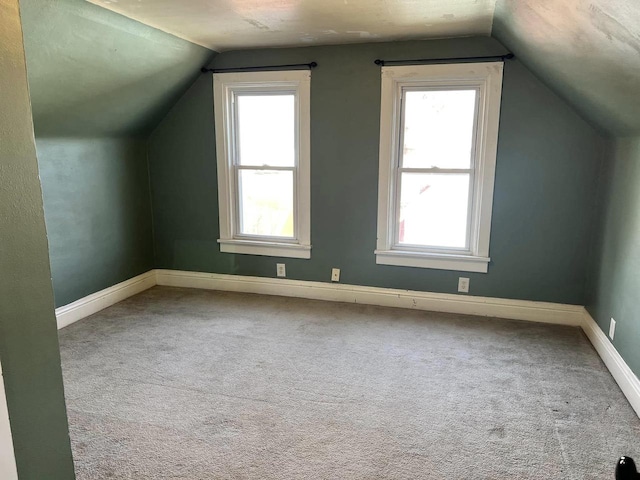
388, 297
623, 375
95, 302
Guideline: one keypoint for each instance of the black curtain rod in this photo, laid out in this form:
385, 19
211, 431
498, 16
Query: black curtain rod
298, 66
429, 61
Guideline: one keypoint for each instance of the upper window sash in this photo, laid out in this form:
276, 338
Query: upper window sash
260, 90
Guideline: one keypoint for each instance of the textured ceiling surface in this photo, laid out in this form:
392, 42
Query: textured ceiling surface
93, 72
232, 24
588, 51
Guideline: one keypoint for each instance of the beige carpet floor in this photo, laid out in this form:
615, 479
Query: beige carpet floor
187, 384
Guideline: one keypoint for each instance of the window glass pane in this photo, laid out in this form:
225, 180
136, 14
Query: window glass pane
434, 209
438, 128
266, 202
266, 130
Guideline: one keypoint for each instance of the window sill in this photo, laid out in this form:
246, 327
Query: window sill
268, 249
439, 261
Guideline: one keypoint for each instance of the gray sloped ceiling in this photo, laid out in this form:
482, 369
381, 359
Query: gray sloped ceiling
588, 51
104, 73
94, 73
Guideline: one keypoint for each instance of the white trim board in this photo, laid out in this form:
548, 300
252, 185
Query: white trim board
95, 302
623, 375
387, 297
485, 81
8, 469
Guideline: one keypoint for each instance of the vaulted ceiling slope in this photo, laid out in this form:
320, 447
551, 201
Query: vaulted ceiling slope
232, 24
586, 50
93, 72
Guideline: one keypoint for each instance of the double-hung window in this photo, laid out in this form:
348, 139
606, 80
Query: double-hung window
262, 141
438, 142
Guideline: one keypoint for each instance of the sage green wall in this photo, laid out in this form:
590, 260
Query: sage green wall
545, 179
28, 336
98, 212
100, 83
615, 272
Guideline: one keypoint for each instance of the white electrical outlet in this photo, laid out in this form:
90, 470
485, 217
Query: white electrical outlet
612, 329
281, 271
463, 285
335, 274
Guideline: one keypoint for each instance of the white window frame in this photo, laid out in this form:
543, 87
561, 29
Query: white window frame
225, 87
486, 79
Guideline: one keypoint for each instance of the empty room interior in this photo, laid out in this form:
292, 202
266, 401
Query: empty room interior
319, 239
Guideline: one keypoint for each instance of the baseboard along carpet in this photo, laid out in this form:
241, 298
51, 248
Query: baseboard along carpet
193, 384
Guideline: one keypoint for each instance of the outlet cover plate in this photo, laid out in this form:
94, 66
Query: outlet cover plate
463, 285
335, 274
612, 329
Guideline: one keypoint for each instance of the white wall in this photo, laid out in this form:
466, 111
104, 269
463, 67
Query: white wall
7, 459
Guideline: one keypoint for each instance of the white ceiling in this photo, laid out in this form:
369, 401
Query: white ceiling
232, 24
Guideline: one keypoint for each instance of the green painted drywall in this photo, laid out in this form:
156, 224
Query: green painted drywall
98, 212
94, 73
28, 335
614, 280
545, 178
99, 82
